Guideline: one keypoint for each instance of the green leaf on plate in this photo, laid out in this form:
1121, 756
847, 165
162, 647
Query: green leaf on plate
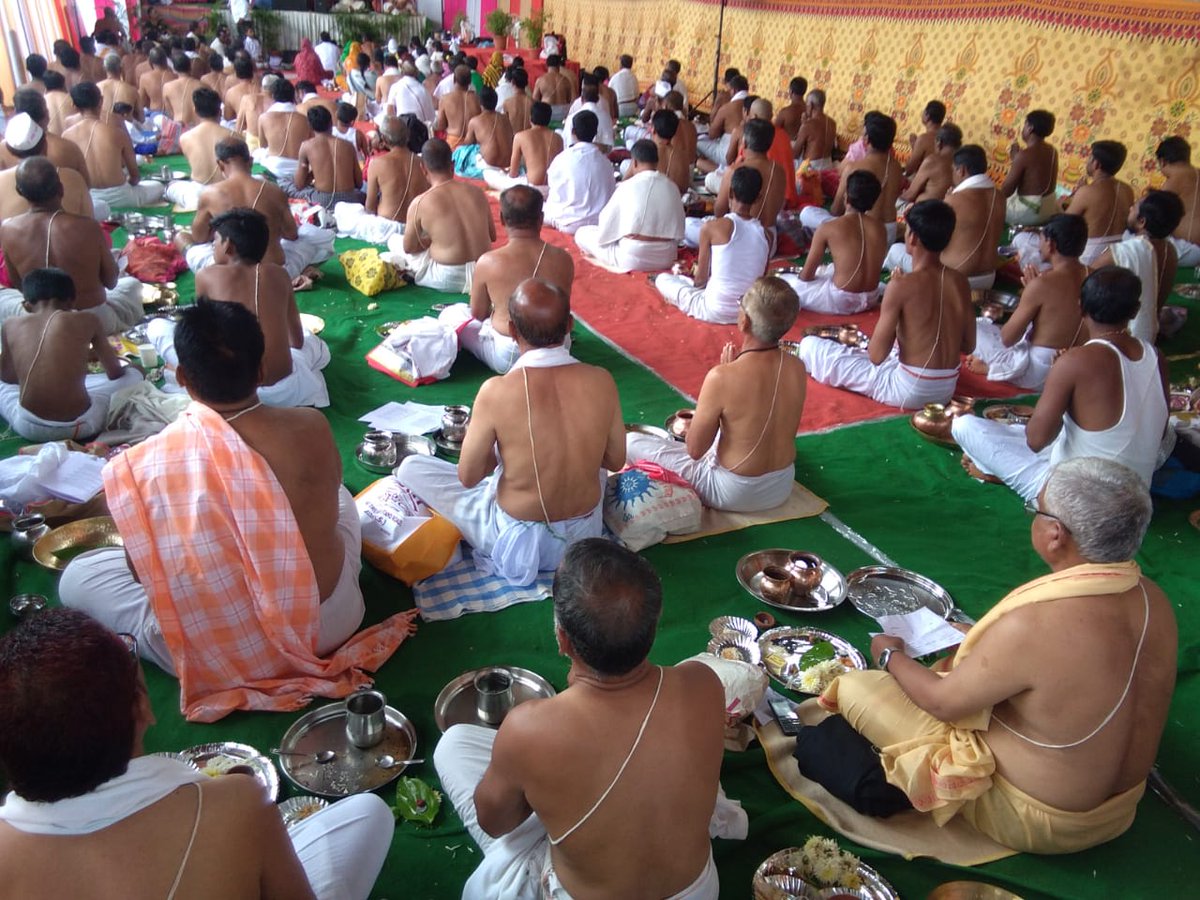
416, 801
821, 651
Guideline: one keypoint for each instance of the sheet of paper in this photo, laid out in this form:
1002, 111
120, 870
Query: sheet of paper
77, 479
923, 631
406, 418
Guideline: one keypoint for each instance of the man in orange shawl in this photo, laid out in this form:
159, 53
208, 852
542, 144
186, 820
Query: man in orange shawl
242, 547
1045, 726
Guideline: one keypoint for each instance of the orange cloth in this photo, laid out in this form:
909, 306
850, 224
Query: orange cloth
781, 152
214, 541
453, 139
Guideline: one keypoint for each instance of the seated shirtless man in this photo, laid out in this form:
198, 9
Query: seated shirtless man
554, 88
281, 132
1033, 176
532, 152
757, 137
926, 322
46, 393
1047, 319
294, 248
63, 153
293, 359
394, 179
520, 512
547, 798
858, 243
24, 139
1050, 758
199, 145
115, 89
152, 82
251, 611
487, 142
816, 138
483, 326
177, 94
448, 227
922, 144
740, 452
108, 151
457, 108
327, 170
48, 235
935, 177
1174, 157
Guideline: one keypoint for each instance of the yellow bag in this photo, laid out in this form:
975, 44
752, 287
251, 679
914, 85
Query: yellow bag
368, 273
424, 552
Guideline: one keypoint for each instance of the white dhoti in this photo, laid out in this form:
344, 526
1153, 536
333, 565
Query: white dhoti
122, 307
636, 132
681, 291
311, 247
822, 295
282, 167
691, 230
12, 303
514, 549
144, 193
815, 216
891, 382
353, 221
101, 584
1030, 210
1028, 246
306, 385
627, 254
822, 165
88, 424
427, 272
1189, 253
559, 112
500, 180
713, 149
184, 194
999, 449
495, 350
717, 487
516, 866
343, 846
101, 211
1023, 364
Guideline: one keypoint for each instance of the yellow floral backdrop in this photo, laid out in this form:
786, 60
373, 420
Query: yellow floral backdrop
989, 69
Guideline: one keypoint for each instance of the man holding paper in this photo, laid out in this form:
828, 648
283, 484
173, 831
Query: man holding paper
1045, 725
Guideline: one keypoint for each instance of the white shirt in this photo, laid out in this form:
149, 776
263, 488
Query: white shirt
216, 46
330, 54
625, 85
408, 96
580, 182
647, 205
252, 47
445, 86
604, 134
504, 90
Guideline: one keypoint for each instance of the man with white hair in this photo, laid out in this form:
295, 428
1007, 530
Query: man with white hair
1049, 757
1107, 398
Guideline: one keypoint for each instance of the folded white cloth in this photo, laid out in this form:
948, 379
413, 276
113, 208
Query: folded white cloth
353, 221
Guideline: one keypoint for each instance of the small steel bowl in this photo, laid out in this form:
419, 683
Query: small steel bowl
22, 604
776, 584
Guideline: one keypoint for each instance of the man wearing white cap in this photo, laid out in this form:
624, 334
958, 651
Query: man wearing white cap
62, 153
24, 138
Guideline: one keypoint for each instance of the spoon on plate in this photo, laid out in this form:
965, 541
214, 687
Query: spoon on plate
387, 761
321, 758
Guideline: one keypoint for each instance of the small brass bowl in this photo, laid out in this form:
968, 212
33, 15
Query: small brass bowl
960, 405
776, 583
804, 569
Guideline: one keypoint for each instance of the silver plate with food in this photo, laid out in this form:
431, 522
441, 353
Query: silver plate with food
737, 647
229, 758
777, 878
891, 591
1009, 413
830, 592
652, 430
1191, 291
783, 652
352, 771
455, 705
295, 810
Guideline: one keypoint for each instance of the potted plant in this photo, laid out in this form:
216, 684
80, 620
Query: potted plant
532, 29
499, 23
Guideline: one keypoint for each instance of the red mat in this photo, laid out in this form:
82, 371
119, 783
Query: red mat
628, 312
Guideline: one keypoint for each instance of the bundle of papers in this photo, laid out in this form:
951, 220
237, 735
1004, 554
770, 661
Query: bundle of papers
405, 418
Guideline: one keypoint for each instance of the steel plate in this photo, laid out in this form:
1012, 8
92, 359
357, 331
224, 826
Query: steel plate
455, 705
828, 594
782, 648
215, 759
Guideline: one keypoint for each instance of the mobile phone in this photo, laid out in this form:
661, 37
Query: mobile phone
785, 715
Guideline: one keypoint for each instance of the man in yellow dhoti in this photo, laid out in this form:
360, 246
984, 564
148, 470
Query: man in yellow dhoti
1045, 726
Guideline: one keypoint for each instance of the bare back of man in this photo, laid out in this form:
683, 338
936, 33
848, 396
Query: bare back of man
117, 90
933, 180
929, 312
565, 750
576, 417
63, 153
494, 135
266, 291
107, 151
858, 244
150, 88
791, 117
76, 198
766, 208
554, 88
283, 133
725, 120
979, 221
816, 138
453, 221
73, 243
332, 163
1035, 170
1050, 301
234, 94
922, 149
47, 354
455, 110
536, 147
1186, 185
517, 109
242, 190
198, 147
215, 81
884, 167
60, 107
674, 163
499, 271
393, 180
1104, 204
177, 97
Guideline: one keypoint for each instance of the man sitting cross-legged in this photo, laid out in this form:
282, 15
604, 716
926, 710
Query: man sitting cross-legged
177, 94
547, 797
394, 180
925, 322
448, 227
1033, 177
46, 393
840, 288
741, 447
23, 138
642, 223
199, 145
483, 326
48, 235
281, 132
1051, 758
1047, 319
111, 163
533, 150
1174, 157
327, 170
557, 426
580, 179
935, 177
487, 142
117, 796
816, 138
241, 559
294, 248
1107, 398
293, 359
733, 252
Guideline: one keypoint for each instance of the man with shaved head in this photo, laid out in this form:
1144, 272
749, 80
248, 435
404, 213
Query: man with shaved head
394, 180
557, 427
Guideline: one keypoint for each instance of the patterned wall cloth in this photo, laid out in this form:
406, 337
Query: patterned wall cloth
1107, 70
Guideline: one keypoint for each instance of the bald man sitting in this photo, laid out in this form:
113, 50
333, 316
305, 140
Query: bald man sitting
448, 227
541, 440
48, 235
199, 145
483, 326
394, 180
108, 151
740, 453
24, 140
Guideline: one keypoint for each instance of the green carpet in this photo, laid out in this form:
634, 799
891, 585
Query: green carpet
906, 496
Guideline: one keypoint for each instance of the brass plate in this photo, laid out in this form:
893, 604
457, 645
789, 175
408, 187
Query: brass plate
79, 537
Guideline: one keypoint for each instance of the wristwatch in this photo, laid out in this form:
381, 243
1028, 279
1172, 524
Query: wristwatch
886, 657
